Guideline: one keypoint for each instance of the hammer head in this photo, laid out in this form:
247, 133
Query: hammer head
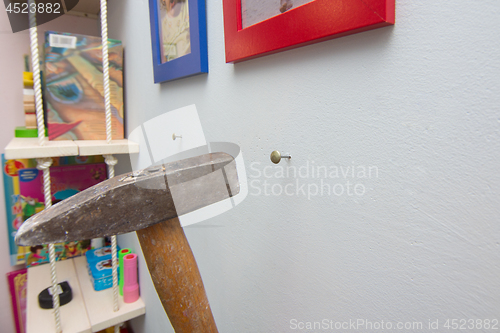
135, 201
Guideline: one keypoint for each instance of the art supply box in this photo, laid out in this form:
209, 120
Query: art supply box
99, 265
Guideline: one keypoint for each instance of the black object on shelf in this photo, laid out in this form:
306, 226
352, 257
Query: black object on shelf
45, 298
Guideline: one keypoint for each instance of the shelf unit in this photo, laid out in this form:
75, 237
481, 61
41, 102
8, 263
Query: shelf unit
73, 315
88, 311
29, 148
100, 303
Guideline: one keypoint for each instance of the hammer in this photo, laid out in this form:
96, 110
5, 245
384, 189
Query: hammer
149, 202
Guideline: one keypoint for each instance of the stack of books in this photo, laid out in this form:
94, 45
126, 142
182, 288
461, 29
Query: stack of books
29, 100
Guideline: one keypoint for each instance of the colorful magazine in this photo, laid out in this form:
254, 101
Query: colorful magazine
23, 187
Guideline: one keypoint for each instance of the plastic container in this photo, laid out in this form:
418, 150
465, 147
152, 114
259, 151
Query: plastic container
121, 254
130, 285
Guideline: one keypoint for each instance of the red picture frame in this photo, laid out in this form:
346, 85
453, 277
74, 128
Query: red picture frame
313, 22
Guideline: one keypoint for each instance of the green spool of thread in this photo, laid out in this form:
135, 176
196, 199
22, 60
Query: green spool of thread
121, 254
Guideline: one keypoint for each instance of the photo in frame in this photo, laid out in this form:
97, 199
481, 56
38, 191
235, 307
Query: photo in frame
253, 29
178, 38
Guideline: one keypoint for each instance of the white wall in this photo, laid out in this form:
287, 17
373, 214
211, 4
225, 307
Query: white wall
420, 101
11, 97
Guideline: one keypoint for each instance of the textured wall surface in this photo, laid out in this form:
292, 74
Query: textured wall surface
12, 48
418, 103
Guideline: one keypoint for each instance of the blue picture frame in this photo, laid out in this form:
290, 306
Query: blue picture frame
196, 62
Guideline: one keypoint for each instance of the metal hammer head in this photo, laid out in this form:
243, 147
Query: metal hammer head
135, 201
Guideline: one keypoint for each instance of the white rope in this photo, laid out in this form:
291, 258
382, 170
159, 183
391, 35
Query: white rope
110, 160
115, 274
105, 68
55, 294
37, 85
44, 165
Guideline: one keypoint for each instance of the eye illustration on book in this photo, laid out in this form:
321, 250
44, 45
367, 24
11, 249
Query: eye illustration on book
67, 91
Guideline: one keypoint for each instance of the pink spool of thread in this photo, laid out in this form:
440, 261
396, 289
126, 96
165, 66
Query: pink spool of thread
130, 285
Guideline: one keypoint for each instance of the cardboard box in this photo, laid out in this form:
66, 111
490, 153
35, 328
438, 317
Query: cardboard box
99, 265
95, 255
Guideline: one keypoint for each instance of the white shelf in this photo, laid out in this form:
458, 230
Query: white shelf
100, 303
88, 311
100, 147
74, 317
29, 148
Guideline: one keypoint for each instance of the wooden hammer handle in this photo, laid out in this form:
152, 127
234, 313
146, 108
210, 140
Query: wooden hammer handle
176, 277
